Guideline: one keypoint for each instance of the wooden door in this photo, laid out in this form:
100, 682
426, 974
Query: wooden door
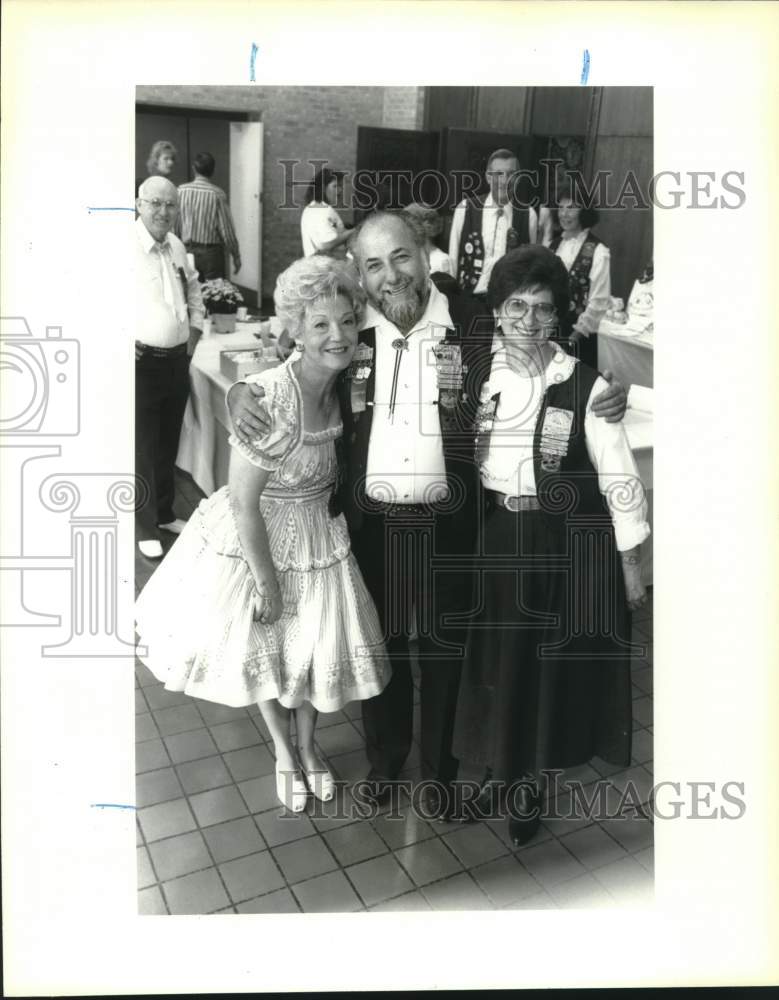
245, 140
211, 135
411, 158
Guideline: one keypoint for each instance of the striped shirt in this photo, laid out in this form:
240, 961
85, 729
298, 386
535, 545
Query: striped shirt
204, 215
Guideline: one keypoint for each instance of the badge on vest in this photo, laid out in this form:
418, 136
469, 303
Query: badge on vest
555, 435
485, 413
449, 373
357, 374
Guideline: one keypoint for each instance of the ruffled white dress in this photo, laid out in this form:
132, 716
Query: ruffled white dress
194, 616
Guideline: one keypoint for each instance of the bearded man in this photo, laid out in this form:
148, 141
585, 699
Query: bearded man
409, 489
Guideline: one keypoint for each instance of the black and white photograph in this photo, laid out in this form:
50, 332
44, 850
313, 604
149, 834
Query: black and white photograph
395, 557
382, 605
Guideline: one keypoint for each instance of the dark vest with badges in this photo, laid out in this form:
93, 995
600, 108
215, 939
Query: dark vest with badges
356, 388
566, 481
578, 279
470, 254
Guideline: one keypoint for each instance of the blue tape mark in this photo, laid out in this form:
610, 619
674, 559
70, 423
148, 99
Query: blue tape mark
255, 50
111, 805
585, 67
93, 208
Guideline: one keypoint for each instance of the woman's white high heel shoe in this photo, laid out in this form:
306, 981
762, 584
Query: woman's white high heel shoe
291, 790
321, 783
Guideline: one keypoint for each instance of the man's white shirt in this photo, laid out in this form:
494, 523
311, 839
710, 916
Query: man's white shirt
157, 322
405, 452
494, 230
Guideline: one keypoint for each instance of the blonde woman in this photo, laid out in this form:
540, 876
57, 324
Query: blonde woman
260, 599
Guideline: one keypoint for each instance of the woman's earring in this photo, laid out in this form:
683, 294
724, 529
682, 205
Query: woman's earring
299, 347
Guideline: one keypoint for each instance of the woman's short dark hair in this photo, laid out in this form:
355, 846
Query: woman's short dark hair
567, 192
318, 186
529, 268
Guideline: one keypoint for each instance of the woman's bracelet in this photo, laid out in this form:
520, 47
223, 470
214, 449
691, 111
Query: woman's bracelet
631, 560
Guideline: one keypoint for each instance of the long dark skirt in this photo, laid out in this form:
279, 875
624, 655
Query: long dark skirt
546, 682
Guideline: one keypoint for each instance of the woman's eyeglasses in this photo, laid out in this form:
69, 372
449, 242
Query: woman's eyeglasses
518, 309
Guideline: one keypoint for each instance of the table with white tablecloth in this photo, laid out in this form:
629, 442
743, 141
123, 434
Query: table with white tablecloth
629, 354
203, 449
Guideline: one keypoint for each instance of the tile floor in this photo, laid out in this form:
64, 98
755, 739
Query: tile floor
211, 837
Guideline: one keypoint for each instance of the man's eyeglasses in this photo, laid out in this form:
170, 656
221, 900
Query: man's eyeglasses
156, 204
518, 309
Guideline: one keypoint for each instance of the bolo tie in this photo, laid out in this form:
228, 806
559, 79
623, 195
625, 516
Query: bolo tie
400, 344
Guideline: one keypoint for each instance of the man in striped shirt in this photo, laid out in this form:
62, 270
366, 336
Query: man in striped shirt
205, 224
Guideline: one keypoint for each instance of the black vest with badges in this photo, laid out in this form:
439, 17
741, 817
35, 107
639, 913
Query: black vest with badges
356, 389
578, 279
566, 481
470, 254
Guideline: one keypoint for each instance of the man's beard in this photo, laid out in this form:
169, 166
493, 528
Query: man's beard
406, 310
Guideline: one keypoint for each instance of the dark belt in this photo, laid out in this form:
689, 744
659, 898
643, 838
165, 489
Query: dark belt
513, 503
162, 352
401, 509
202, 246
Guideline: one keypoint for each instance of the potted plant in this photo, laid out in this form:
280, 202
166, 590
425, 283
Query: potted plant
221, 300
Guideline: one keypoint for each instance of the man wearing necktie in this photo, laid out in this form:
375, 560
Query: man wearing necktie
483, 231
169, 321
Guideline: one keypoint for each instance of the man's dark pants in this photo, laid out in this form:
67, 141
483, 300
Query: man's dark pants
209, 260
161, 391
403, 554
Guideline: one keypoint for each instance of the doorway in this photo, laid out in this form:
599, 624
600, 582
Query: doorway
234, 139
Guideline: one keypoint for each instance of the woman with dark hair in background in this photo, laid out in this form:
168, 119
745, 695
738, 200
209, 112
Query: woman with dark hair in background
587, 261
321, 228
546, 681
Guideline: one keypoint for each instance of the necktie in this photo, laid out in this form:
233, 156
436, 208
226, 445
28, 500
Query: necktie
498, 217
171, 288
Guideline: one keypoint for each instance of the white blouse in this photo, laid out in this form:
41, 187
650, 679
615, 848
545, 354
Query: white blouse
507, 466
600, 280
319, 224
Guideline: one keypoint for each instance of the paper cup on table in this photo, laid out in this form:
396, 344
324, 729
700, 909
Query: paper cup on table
242, 313
207, 326
265, 333
641, 397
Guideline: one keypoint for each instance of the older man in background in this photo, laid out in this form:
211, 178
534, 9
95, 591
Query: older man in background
205, 224
169, 322
484, 230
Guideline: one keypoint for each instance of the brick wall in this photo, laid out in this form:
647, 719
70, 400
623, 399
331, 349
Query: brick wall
299, 123
402, 107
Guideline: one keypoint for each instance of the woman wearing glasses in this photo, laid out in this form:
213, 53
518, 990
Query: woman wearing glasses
546, 683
